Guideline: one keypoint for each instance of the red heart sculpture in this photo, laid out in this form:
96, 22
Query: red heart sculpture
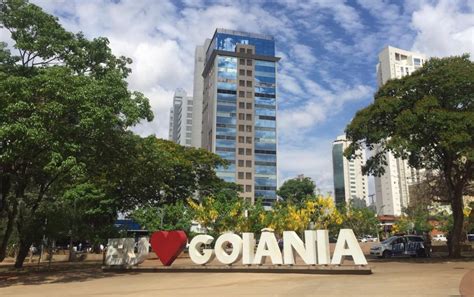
167, 245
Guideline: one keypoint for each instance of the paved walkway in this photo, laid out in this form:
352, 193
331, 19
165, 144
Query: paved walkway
395, 278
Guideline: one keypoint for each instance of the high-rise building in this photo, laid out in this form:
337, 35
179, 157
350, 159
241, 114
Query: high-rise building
181, 118
391, 189
198, 86
239, 110
350, 185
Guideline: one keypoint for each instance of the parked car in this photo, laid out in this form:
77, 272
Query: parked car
470, 237
440, 237
407, 245
368, 238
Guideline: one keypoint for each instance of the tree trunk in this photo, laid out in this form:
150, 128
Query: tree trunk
454, 244
8, 232
22, 253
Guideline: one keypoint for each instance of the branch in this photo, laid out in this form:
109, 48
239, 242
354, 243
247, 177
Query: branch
44, 62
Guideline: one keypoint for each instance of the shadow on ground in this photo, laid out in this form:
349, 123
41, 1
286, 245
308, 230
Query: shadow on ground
58, 273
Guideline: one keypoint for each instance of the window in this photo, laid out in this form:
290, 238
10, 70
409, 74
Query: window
249, 105
242, 83
241, 128
249, 72
242, 50
249, 128
241, 175
249, 51
248, 188
241, 151
248, 163
248, 152
397, 56
242, 61
241, 116
248, 117
248, 139
249, 83
190, 122
248, 175
249, 62
241, 139
241, 72
241, 105
249, 95
241, 94
241, 163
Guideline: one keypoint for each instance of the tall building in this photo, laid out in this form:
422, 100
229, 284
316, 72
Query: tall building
181, 118
239, 110
349, 182
391, 189
198, 86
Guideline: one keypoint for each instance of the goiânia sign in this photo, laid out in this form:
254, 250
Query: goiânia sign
314, 250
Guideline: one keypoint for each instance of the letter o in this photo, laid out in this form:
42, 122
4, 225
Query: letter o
220, 252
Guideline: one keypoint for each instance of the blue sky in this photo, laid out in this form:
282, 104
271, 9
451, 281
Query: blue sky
328, 48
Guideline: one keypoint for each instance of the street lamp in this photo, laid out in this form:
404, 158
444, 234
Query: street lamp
161, 213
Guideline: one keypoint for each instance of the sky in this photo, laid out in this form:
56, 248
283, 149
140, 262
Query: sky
328, 48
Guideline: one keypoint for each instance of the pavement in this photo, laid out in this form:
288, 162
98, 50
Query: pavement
395, 277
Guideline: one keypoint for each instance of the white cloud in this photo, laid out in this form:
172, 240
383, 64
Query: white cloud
443, 30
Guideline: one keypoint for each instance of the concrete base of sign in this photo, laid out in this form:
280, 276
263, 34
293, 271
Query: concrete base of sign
301, 269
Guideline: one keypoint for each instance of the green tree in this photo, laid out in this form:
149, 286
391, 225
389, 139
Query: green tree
428, 119
65, 110
296, 190
175, 216
362, 220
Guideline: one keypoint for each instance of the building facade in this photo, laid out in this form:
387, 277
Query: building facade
198, 86
350, 185
392, 188
239, 110
181, 118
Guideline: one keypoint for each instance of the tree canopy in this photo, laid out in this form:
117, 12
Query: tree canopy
297, 189
428, 119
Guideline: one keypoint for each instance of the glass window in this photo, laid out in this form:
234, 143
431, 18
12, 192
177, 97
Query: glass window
248, 152
241, 175
248, 163
248, 188
242, 72
242, 61
241, 163
241, 151
249, 105
249, 62
248, 175
249, 72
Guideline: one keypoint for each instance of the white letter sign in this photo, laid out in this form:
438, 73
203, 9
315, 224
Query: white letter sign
346, 236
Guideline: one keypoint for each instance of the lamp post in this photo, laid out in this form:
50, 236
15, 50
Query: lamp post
161, 213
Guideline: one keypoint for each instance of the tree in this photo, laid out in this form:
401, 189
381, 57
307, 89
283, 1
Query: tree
64, 114
158, 172
175, 216
362, 220
428, 119
297, 189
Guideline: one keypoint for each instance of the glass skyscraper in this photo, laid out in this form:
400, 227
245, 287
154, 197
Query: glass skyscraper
239, 110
